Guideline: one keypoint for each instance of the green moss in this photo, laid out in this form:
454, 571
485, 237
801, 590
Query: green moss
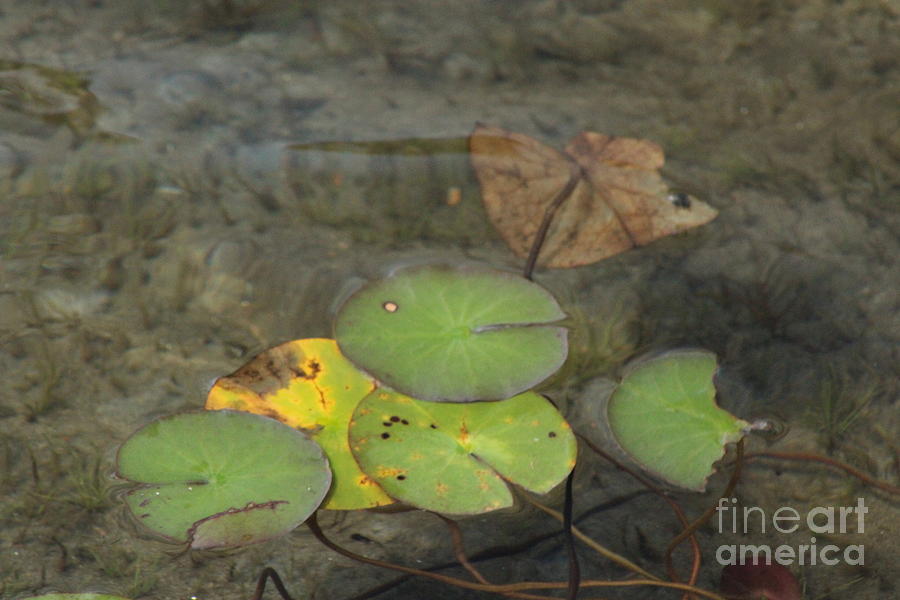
89, 487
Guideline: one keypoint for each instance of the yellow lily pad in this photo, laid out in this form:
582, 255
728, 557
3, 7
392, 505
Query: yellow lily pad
309, 385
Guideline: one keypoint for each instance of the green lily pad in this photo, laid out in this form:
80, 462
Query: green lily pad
218, 479
665, 416
76, 597
309, 385
458, 458
453, 334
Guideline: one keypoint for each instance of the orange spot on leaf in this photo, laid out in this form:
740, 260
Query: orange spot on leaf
386, 472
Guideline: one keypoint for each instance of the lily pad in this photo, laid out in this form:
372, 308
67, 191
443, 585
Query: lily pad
453, 334
309, 385
665, 416
219, 479
458, 458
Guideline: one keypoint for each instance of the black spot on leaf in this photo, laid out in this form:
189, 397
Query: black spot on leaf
680, 200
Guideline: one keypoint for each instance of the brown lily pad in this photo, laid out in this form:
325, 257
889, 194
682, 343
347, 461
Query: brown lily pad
618, 199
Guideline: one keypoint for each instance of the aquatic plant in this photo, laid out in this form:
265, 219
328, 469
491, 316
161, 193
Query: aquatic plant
383, 444
453, 334
424, 397
452, 442
664, 415
221, 479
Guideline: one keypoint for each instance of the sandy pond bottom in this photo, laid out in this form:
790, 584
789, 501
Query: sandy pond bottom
157, 231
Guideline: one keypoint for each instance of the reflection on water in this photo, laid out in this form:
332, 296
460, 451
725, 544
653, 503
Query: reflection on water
182, 186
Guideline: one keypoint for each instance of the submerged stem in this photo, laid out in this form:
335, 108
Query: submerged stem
574, 569
270, 573
601, 550
697, 524
831, 462
574, 176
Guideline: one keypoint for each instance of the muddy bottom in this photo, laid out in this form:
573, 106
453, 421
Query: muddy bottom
169, 209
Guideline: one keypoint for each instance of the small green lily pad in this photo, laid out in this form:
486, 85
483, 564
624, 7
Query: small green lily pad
458, 458
453, 334
665, 416
222, 478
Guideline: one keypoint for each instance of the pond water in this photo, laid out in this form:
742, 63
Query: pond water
169, 208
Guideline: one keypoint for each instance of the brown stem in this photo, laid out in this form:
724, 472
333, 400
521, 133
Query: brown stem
270, 573
867, 479
313, 525
503, 589
695, 550
601, 550
574, 570
695, 566
663, 584
574, 176
459, 550
506, 551
697, 524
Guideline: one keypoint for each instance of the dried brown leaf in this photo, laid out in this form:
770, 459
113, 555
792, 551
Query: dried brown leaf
619, 201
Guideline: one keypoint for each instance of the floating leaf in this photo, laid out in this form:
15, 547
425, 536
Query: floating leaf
309, 385
453, 334
665, 416
619, 201
218, 479
457, 458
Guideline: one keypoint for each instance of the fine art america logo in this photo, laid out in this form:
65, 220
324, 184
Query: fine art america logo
819, 520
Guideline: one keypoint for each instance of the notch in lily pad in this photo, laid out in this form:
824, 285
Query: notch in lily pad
459, 458
453, 334
219, 479
664, 415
